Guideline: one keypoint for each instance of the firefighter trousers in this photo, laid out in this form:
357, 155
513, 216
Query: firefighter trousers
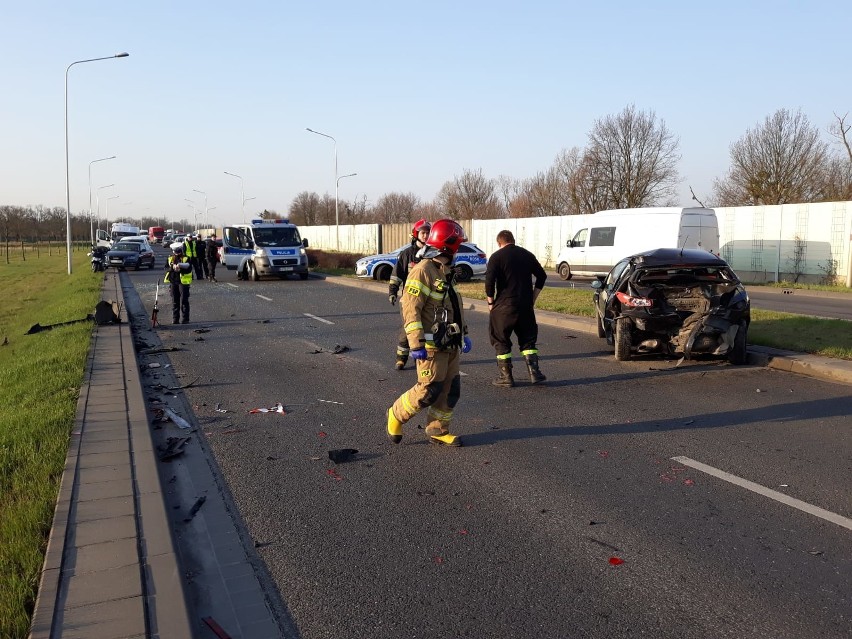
437, 389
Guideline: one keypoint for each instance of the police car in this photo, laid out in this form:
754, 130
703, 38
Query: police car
469, 262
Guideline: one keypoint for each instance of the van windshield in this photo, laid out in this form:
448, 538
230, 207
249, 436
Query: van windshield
282, 236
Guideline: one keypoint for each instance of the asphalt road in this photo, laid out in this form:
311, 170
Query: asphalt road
816, 303
522, 532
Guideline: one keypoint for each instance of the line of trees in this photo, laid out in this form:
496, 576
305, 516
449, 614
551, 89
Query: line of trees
630, 160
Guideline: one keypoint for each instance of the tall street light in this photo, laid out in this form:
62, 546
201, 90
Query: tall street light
205, 202
98, 200
112, 197
194, 212
242, 193
67, 186
91, 224
336, 215
337, 187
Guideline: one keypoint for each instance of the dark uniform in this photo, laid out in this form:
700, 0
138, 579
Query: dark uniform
508, 281
212, 254
179, 278
406, 259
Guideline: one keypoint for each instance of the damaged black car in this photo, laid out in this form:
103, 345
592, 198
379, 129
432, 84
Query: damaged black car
680, 302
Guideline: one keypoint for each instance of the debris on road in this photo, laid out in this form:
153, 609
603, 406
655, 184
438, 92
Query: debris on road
179, 421
173, 448
195, 507
328, 401
615, 561
342, 455
278, 408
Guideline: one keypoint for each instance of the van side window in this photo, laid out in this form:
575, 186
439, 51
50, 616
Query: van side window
602, 236
580, 238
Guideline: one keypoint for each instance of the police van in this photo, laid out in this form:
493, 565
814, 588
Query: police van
264, 247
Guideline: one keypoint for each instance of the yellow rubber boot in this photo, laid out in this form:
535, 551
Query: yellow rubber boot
394, 427
446, 440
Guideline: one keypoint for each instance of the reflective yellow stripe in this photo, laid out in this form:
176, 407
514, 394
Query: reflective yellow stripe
395, 280
413, 326
506, 356
532, 351
436, 295
417, 288
408, 407
443, 416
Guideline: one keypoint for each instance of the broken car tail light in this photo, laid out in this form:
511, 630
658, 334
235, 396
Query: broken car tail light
629, 300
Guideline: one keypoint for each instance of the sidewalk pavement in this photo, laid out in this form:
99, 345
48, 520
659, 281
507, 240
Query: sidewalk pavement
111, 567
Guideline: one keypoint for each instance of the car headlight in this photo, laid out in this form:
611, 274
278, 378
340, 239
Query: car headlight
260, 252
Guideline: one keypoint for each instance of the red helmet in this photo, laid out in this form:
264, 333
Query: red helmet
420, 225
446, 236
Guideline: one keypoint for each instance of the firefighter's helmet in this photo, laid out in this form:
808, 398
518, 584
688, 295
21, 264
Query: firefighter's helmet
445, 237
420, 225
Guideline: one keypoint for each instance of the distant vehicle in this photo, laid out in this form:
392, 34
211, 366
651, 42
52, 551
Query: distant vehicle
272, 247
120, 229
138, 239
130, 255
469, 262
678, 302
615, 234
156, 234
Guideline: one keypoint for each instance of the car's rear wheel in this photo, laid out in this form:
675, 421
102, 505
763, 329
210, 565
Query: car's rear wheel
383, 272
623, 329
601, 329
565, 271
463, 273
739, 353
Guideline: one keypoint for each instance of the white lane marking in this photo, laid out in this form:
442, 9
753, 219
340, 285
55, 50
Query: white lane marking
233, 285
319, 319
268, 299
816, 511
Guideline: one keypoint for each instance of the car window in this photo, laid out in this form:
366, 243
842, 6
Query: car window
126, 246
580, 238
616, 272
602, 236
464, 248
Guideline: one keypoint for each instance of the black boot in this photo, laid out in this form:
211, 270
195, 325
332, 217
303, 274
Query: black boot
536, 375
505, 378
401, 361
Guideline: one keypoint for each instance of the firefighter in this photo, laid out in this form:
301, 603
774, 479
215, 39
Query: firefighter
511, 297
179, 278
436, 332
407, 258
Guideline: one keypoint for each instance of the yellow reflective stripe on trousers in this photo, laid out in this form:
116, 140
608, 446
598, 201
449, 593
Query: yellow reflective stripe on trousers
411, 410
413, 326
440, 415
532, 351
505, 356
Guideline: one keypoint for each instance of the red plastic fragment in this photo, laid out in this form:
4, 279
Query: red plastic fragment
615, 561
322, 433
688, 482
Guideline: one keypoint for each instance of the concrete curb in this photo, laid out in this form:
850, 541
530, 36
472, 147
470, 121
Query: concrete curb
834, 370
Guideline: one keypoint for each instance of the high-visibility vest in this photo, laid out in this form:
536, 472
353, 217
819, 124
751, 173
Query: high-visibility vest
185, 277
189, 248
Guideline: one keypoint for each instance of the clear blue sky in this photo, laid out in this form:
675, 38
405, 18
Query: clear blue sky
414, 94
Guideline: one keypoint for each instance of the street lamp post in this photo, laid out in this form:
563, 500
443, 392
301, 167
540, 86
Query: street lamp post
194, 212
207, 221
91, 224
336, 181
98, 200
107, 203
337, 187
205, 203
67, 185
242, 193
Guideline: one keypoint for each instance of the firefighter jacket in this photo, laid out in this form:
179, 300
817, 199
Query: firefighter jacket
184, 275
406, 259
429, 305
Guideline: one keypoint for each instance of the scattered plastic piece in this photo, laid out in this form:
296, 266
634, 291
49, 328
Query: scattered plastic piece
278, 408
328, 401
195, 507
180, 422
154, 365
173, 448
688, 482
603, 453
615, 561
342, 455
333, 474
322, 433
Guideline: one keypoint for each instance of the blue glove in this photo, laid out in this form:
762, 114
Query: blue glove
467, 344
418, 353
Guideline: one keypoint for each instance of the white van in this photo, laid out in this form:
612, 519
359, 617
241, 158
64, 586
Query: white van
272, 247
615, 234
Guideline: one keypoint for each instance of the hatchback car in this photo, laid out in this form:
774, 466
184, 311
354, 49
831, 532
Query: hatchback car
674, 301
126, 255
468, 263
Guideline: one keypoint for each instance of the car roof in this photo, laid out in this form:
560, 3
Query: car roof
678, 257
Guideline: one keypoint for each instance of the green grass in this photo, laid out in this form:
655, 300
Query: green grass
40, 377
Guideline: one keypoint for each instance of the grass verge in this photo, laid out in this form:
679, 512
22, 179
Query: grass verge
40, 378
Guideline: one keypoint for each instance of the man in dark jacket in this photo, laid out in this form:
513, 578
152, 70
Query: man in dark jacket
511, 300
211, 253
406, 259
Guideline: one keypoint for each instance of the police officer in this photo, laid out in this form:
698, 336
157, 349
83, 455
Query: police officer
406, 259
179, 278
436, 331
190, 250
511, 300
211, 253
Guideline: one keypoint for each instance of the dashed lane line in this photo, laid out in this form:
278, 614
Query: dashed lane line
798, 504
263, 297
319, 319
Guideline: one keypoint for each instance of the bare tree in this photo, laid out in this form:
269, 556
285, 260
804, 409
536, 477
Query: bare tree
632, 158
782, 161
396, 207
839, 130
470, 196
305, 209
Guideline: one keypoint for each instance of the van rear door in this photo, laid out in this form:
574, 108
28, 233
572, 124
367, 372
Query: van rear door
699, 230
